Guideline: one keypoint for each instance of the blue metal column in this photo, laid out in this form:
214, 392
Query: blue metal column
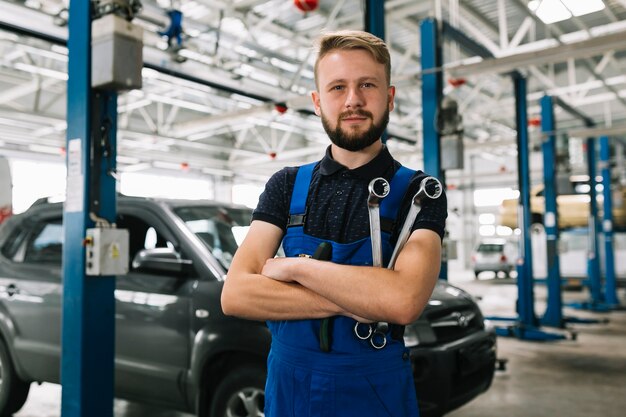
526, 298
593, 261
432, 94
375, 24
88, 302
607, 224
554, 311
375, 17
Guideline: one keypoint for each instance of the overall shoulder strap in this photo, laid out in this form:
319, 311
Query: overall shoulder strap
297, 208
390, 205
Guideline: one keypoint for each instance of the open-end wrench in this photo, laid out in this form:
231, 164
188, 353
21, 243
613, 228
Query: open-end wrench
430, 187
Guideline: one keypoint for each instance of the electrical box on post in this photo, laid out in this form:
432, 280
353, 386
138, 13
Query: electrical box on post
452, 152
106, 251
116, 54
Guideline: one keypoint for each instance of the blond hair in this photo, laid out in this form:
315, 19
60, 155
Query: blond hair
350, 40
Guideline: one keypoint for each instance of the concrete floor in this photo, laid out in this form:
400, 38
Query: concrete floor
585, 377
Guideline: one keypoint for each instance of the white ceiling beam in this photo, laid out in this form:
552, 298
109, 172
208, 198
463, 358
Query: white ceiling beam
214, 121
521, 32
559, 53
25, 89
30, 19
502, 25
606, 58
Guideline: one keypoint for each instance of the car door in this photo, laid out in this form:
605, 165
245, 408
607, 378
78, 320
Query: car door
31, 293
152, 318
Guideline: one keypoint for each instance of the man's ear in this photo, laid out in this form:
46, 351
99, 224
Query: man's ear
315, 97
391, 93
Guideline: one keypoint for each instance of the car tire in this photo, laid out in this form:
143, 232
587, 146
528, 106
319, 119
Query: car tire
13, 391
240, 394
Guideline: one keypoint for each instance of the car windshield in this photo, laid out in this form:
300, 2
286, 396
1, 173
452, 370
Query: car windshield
489, 248
221, 229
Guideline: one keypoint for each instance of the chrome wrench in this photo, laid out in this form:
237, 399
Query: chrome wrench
378, 189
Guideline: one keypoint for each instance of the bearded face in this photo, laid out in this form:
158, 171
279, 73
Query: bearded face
354, 138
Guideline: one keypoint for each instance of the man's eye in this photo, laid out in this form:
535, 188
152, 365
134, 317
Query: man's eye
337, 88
367, 85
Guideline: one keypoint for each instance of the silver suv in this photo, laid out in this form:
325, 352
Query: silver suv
174, 346
496, 255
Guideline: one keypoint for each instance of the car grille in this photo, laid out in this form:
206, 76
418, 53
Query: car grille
455, 323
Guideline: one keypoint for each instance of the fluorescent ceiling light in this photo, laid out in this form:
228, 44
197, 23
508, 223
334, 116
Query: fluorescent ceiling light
549, 11
579, 8
552, 11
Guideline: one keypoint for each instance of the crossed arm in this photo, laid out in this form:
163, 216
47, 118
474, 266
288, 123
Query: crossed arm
262, 287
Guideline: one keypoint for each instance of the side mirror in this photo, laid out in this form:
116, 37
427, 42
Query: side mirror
161, 261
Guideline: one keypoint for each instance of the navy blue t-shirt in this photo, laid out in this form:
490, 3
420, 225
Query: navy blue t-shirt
337, 200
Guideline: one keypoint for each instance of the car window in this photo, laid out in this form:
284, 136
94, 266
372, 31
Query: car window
13, 243
45, 245
490, 248
222, 230
142, 235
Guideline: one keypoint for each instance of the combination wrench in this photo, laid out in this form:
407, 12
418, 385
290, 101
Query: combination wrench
378, 189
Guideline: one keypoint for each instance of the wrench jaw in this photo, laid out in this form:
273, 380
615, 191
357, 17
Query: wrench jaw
378, 189
430, 187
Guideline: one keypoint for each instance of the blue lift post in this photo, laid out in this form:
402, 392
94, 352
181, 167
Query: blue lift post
87, 371
432, 94
597, 301
375, 17
607, 226
375, 24
554, 311
593, 265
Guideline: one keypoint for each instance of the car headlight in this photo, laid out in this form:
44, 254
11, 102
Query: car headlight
489, 326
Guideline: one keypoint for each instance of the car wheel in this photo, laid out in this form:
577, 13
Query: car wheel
13, 391
240, 394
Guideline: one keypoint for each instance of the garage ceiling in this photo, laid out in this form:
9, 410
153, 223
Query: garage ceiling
216, 113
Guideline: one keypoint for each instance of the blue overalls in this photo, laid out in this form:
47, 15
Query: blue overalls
353, 379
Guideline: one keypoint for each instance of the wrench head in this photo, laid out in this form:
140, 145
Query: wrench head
430, 187
378, 189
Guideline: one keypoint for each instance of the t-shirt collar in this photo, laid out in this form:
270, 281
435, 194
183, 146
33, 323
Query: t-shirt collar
377, 167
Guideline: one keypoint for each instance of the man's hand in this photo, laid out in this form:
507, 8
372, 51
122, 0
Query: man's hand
279, 269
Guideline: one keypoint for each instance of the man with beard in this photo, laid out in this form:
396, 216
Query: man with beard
317, 365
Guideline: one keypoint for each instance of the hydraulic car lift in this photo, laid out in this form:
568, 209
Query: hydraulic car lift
525, 325
554, 312
599, 301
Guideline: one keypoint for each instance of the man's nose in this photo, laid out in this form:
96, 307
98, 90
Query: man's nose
354, 98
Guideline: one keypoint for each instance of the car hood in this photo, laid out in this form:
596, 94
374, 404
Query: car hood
446, 296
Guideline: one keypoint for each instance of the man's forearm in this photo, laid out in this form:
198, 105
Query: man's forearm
257, 297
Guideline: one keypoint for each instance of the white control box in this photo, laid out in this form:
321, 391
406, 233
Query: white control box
106, 251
